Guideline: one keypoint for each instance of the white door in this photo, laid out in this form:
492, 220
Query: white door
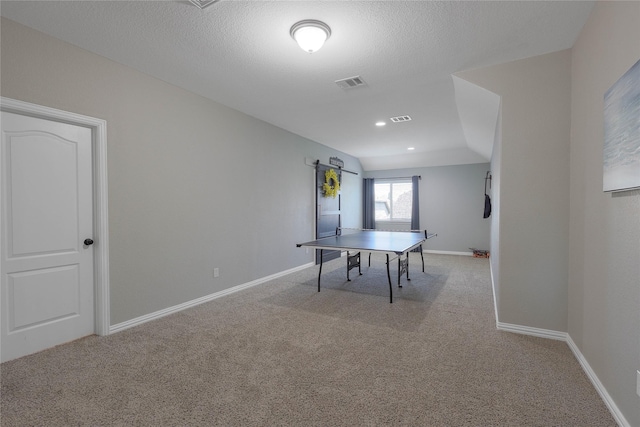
47, 213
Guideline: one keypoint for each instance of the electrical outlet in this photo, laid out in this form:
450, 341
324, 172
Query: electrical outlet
216, 272
638, 383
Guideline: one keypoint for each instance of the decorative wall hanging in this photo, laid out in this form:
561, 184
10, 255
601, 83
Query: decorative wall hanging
331, 185
487, 199
335, 161
621, 153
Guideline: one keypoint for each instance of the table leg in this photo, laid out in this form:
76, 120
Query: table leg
320, 270
403, 266
348, 266
422, 256
389, 278
353, 261
408, 266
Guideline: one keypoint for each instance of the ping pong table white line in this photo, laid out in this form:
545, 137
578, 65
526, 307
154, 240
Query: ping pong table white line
382, 229
420, 230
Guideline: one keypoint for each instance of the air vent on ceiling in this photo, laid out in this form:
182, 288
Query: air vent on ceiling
400, 119
203, 3
351, 82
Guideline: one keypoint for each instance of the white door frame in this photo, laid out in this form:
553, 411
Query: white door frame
100, 197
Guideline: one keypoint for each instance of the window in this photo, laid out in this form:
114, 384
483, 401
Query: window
393, 200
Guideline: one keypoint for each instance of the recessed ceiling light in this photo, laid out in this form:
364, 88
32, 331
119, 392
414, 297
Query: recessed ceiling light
380, 123
411, 148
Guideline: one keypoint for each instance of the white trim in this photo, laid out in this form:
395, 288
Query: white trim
448, 253
564, 336
536, 332
101, 218
176, 308
600, 388
509, 327
493, 291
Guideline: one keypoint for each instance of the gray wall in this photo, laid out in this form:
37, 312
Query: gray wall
451, 204
496, 204
193, 184
532, 177
604, 268
565, 255
565, 250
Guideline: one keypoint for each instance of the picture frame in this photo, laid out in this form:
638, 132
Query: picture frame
621, 151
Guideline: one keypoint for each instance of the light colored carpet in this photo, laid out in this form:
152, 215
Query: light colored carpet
282, 354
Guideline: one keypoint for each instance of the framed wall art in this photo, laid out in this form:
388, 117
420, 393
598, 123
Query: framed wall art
621, 153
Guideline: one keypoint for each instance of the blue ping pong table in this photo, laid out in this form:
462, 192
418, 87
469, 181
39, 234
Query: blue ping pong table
394, 243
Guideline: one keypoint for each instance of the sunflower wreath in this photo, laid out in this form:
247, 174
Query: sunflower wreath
331, 184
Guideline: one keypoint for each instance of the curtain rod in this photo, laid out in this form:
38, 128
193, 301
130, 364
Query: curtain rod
397, 177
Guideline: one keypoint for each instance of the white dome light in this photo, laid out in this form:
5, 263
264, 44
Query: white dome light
310, 34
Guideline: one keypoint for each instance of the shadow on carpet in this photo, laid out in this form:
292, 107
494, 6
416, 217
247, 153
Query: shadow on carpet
366, 297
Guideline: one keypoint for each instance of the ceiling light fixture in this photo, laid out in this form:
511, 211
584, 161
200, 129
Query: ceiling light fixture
411, 148
380, 123
310, 34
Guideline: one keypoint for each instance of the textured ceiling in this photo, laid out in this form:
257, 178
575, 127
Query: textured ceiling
239, 53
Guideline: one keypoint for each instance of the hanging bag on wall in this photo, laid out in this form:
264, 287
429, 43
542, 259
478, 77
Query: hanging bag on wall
487, 199
487, 206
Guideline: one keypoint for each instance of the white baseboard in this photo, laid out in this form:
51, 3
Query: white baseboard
563, 336
536, 332
508, 327
493, 291
448, 253
602, 391
176, 308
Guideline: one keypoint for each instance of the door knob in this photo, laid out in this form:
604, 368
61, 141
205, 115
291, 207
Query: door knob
88, 242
